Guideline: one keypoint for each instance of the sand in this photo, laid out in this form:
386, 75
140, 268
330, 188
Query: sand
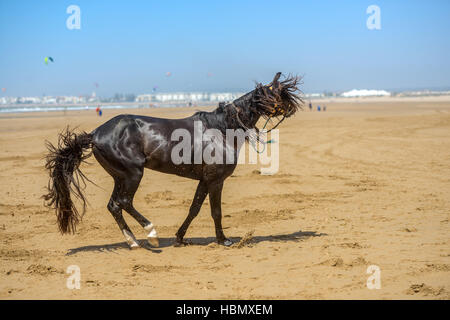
365, 183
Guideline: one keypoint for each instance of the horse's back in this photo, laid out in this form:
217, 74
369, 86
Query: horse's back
136, 139
128, 140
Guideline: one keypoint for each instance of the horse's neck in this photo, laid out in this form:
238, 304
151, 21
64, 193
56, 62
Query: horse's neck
227, 117
241, 114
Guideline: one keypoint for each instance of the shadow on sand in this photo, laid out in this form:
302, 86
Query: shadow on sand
168, 242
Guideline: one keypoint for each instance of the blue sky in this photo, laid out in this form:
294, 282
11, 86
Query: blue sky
128, 46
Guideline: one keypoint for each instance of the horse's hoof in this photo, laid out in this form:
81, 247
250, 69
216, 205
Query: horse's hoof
134, 246
152, 236
227, 242
131, 240
182, 243
178, 244
154, 241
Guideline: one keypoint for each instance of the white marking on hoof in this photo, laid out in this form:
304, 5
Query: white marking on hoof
131, 240
134, 246
152, 236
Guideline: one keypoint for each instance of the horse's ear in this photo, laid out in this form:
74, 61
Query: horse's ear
276, 78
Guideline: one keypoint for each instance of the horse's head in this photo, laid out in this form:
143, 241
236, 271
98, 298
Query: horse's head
278, 98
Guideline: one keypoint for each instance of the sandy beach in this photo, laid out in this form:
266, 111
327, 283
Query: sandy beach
364, 183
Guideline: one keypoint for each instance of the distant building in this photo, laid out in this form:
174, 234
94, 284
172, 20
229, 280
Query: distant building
188, 97
365, 93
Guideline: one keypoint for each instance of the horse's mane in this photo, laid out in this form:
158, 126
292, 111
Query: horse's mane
279, 98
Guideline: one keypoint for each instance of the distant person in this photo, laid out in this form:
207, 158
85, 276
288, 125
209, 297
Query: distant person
318, 108
324, 108
310, 106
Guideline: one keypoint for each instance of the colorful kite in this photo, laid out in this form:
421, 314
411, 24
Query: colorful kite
46, 59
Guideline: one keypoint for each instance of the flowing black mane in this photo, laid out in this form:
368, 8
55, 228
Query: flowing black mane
279, 98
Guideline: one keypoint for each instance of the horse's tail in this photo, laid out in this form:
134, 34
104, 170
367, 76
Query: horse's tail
62, 163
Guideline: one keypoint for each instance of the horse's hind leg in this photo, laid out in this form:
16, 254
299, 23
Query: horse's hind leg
116, 211
116, 203
127, 190
200, 195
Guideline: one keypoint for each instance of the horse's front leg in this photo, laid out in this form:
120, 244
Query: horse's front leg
197, 202
215, 199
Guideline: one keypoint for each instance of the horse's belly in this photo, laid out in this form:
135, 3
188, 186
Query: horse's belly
183, 170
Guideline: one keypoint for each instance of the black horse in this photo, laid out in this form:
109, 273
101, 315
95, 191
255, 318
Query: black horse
127, 144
